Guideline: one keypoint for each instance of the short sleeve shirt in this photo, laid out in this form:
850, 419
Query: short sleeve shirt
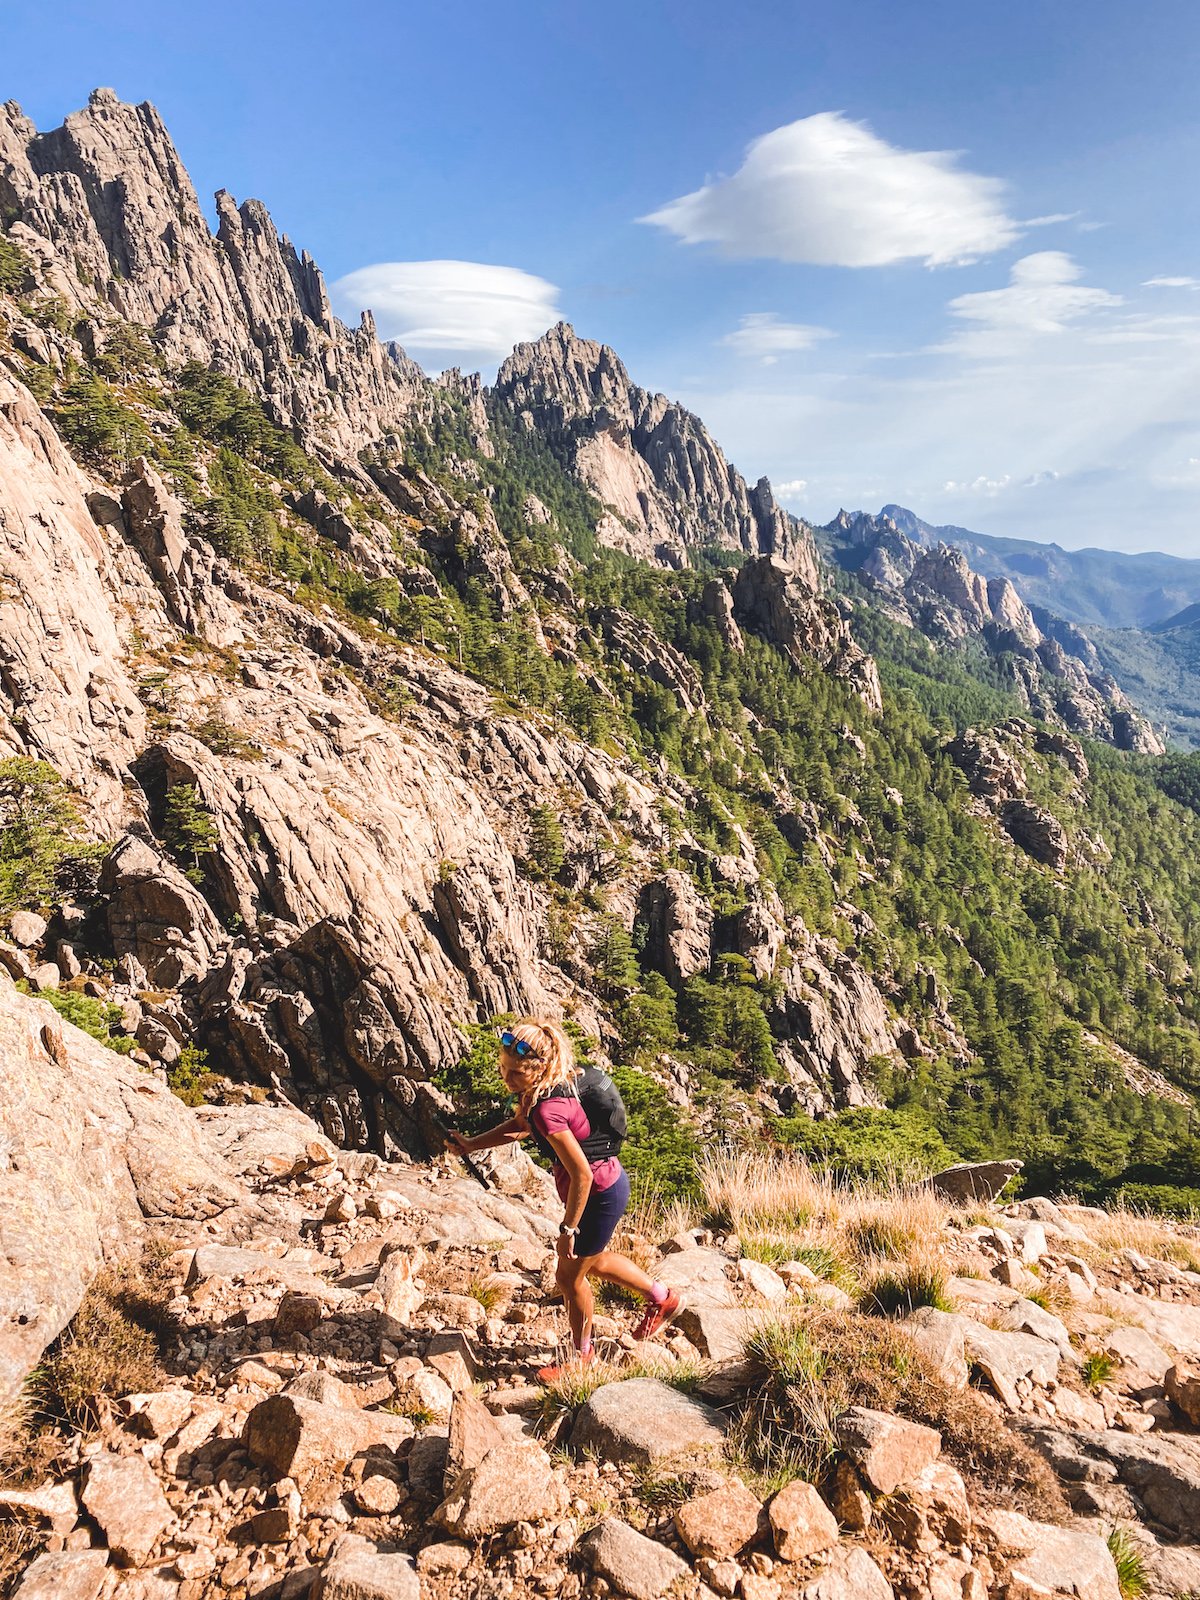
563, 1113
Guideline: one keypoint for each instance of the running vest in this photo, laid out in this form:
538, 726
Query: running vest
603, 1108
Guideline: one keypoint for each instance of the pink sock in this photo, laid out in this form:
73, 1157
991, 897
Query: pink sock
585, 1348
658, 1292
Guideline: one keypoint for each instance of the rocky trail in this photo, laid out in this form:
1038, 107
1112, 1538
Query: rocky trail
349, 1408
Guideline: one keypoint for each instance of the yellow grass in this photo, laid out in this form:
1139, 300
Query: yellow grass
1126, 1229
783, 1209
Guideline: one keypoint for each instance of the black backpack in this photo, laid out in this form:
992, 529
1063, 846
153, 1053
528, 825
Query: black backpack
602, 1106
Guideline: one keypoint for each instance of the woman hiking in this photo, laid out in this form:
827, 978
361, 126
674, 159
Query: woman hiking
537, 1063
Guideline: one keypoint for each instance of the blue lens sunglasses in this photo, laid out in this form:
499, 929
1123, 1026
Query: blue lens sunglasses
519, 1047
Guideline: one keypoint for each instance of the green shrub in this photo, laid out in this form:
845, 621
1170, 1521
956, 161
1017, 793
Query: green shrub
189, 1079
15, 266
1096, 1368
95, 1017
869, 1143
42, 849
818, 1364
189, 831
97, 426
1132, 1578
902, 1289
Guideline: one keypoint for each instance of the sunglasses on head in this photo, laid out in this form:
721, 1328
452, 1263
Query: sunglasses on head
519, 1047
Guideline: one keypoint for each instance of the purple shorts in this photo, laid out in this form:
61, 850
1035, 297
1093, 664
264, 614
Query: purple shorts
604, 1209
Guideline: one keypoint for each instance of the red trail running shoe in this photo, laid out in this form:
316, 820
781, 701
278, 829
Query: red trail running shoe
657, 1316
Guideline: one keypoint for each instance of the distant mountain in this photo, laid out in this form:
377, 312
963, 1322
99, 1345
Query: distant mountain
1048, 663
1159, 669
1108, 587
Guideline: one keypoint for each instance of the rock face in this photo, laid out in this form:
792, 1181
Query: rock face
108, 192
1052, 665
781, 604
92, 1147
655, 466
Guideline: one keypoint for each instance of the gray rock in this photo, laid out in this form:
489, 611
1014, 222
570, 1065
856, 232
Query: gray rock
126, 1500
1005, 1358
68, 1575
640, 1421
1056, 1561
514, 1482
632, 1563
974, 1180
95, 1149
887, 1451
718, 1332
27, 929
292, 1435
359, 1570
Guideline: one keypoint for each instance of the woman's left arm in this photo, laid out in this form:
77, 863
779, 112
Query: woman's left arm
575, 1163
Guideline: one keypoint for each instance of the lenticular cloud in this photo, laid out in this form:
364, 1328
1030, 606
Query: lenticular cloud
450, 306
830, 192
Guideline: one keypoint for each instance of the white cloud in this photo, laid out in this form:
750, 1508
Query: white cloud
830, 192
790, 489
762, 334
1043, 296
1171, 283
981, 485
450, 308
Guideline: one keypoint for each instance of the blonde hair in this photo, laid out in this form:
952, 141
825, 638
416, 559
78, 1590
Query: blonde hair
552, 1058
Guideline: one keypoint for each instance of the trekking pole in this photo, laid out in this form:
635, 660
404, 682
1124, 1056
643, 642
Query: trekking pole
472, 1167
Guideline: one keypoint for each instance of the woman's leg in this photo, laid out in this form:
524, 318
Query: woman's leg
619, 1269
572, 1279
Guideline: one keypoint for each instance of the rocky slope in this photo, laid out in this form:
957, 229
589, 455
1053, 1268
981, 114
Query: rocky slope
107, 210
1053, 666
344, 1406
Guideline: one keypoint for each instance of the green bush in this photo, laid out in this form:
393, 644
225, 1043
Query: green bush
42, 849
98, 427
868, 1143
189, 1079
15, 266
189, 831
95, 1017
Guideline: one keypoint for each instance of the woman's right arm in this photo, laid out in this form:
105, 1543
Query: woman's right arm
504, 1133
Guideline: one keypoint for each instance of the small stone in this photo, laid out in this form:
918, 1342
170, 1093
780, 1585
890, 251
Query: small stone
293, 1435
640, 1420
27, 929
886, 1450
801, 1522
755, 1587
1183, 1388
764, 1280
67, 1575
444, 1558
386, 1206
633, 1564
513, 1483
357, 1570
721, 1576
851, 1502
297, 1313
125, 1497
425, 1392
341, 1208
473, 1432
377, 1495
158, 1415
721, 1523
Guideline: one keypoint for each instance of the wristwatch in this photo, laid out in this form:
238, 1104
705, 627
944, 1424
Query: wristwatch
563, 1230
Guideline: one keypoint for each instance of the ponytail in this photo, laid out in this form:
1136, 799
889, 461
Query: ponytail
553, 1057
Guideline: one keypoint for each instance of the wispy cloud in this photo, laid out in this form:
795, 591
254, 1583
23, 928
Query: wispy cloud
764, 335
1043, 295
791, 489
830, 192
451, 309
1171, 283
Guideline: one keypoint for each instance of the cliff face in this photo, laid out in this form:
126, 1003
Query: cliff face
105, 205
1052, 664
654, 465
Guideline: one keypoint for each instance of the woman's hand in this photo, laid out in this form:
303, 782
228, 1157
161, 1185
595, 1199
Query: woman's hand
463, 1146
566, 1246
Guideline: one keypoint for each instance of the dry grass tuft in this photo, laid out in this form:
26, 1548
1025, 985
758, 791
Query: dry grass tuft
1126, 1229
821, 1363
848, 1233
112, 1346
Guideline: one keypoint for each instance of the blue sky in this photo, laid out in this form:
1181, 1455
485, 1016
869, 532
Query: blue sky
865, 306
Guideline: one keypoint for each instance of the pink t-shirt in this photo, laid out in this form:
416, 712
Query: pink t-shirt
564, 1114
